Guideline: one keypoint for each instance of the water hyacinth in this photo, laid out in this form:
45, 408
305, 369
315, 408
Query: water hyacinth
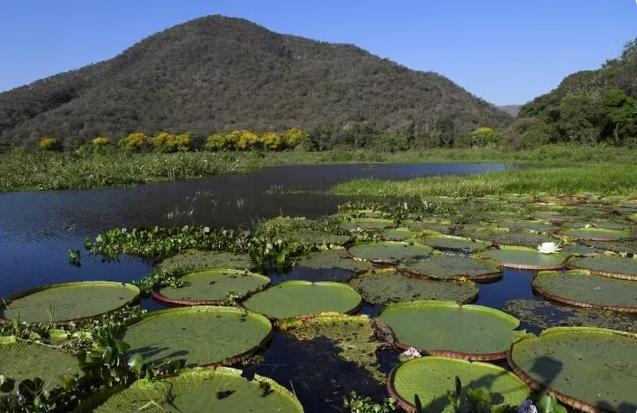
549, 248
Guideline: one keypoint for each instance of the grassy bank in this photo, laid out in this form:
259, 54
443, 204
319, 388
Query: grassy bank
601, 179
22, 169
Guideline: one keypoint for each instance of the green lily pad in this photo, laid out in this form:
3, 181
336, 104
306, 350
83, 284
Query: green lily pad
431, 378
525, 258
633, 217
607, 265
195, 260
591, 369
596, 234
453, 267
212, 287
537, 226
583, 289
354, 335
69, 301
21, 360
580, 250
454, 244
398, 234
524, 238
297, 298
390, 252
329, 259
202, 335
385, 286
367, 224
418, 226
472, 332
545, 314
621, 247
220, 390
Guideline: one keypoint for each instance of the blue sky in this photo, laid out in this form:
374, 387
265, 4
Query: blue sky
505, 51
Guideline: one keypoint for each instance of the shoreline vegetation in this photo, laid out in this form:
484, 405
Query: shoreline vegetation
552, 168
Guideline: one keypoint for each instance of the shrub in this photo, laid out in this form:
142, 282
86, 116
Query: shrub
272, 141
247, 140
295, 136
101, 142
134, 142
216, 142
480, 137
167, 142
49, 144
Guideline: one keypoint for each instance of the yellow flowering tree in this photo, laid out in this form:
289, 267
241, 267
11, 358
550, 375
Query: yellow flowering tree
101, 142
49, 144
272, 141
294, 137
134, 142
247, 140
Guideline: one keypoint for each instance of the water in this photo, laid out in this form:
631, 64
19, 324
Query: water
38, 228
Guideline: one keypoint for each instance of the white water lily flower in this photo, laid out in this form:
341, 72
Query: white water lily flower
411, 353
548, 248
206, 230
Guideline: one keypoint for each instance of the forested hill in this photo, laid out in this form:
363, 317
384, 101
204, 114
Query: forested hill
218, 73
588, 107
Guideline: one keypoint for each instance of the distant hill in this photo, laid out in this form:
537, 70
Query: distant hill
589, 107
512, 110
218, 73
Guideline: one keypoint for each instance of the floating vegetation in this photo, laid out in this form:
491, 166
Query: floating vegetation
590, 369
596, 234
353, 335
210, 287
302, 298
21, 360
471, 332
390, 286
330, 259
545, 314
390, 252
367, 224
608, 266
620, 247
201, 335
524, 238
583, 289
69, 301
195, 260
428, 381
204, 390
528, 225
454, 243
454, 267
525, 258
398, 234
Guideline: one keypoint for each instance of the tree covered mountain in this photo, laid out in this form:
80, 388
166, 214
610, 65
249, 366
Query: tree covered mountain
588, 107
219, 74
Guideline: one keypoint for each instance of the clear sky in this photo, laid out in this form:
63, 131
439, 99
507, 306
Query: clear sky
505, 51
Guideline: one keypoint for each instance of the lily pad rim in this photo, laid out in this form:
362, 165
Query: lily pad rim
483, 278
384, 261
21, 294
537, 386
523, 266
603, 273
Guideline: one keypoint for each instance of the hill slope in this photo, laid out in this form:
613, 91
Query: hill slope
217, 73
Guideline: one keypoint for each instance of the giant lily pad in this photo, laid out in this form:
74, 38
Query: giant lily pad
454, 244
212, 287
591, 369
385, 286
596, 234
524, 238
431, 378
367, 224
390, 252
195, 260
472, 332
583, 289
220, 390
397, 234
202, 335
296, 298
536, 226
21, 360
609, 266
525, 258
330, 259
69, 301
454, 267
622, 247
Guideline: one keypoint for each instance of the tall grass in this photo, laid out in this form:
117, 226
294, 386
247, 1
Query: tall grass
602, 179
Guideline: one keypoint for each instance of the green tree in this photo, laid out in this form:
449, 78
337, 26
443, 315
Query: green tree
580, 119
620, 111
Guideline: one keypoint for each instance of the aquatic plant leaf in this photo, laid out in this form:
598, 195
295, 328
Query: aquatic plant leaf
334, 258
212, 287
390, 252
431, 378
588, 368
454, 244
472, 332
596, 234
609, 266
69, 301
20, 360
525, 258
452, 267
202, 335
583, 289
389, 286
220, 390
398, 234
195, 260
297, 298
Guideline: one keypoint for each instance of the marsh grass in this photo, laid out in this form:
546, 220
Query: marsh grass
600, 179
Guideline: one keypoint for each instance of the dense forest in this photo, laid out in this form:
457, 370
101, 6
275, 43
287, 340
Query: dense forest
588, 107
218, 74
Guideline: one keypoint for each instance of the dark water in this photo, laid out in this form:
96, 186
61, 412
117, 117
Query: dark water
37, 228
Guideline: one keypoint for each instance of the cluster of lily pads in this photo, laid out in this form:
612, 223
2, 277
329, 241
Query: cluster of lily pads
228, 293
